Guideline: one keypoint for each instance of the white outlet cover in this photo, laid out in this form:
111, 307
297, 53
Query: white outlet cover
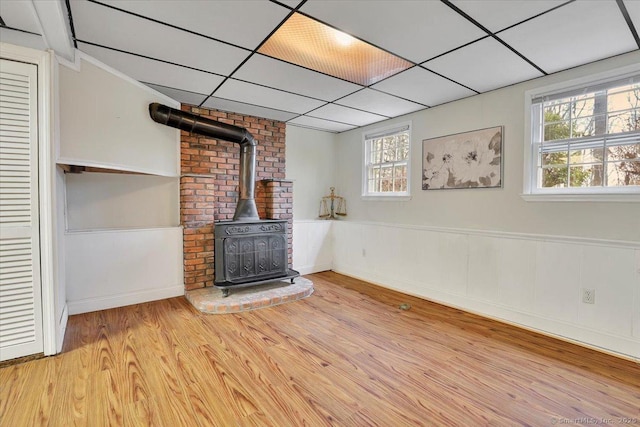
589, 296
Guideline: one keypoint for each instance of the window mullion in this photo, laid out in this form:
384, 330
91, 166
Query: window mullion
571, 124
605, 148
605, 161
568, 165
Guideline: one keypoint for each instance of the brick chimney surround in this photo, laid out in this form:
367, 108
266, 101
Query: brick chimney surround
209, 187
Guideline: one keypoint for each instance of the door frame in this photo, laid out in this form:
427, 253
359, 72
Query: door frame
52, 328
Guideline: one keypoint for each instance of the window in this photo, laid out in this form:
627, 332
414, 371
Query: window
386, 162
585, 139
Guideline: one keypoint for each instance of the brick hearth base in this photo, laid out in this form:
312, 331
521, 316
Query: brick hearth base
210, 300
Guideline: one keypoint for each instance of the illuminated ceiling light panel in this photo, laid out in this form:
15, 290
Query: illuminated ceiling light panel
311, 44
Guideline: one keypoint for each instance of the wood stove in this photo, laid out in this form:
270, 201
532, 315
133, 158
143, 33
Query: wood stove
248, 251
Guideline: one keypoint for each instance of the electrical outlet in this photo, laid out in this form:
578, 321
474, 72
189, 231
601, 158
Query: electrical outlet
364, 253
589, 296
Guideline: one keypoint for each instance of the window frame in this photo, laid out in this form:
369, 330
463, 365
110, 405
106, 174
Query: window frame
395, 195
531, 191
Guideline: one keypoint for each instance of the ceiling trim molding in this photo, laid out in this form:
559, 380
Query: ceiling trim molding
56, 33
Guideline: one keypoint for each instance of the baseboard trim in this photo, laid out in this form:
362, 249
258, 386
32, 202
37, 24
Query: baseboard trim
121, 300
310, 269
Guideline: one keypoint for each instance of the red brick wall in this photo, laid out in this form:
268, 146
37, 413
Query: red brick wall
274, 200
209, 185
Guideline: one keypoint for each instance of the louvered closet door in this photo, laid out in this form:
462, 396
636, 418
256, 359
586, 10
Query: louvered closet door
20, 293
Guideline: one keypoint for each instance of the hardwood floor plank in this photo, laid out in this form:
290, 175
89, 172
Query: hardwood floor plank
71, 393
104, 400
12, 384
158, 364
346, 356
140, 413
34, 397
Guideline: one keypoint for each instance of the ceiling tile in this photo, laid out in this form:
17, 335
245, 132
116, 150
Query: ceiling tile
98, 24
265, 97
19, 38
320, 124
290, 3
575, 34
379, 103
342, 114
425, 87
633, 7
157, 72
281, 75
19, 14
483, 65
250, 110
496, 15
243, 23
415, 30
181, 96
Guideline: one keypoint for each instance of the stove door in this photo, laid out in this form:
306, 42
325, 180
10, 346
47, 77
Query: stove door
248, 258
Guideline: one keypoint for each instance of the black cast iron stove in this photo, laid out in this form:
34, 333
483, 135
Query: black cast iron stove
251, 253
248, 251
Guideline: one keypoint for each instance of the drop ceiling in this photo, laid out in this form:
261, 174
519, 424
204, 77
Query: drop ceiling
207, 52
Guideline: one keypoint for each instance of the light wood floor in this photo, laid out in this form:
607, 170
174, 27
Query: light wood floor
345, 356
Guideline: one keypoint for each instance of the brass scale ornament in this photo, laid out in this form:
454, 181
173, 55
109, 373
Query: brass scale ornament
332, 205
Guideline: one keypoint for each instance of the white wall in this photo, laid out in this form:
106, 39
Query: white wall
486, 209
312, 166
105, 122
107, 200
487, 250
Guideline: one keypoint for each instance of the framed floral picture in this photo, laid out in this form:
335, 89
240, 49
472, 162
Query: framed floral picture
463, 160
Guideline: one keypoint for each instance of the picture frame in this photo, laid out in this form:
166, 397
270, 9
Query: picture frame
470, 159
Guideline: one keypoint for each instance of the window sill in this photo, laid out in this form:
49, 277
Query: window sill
388, 198
590, 197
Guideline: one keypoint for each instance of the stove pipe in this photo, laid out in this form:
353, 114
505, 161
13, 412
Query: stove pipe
246, 208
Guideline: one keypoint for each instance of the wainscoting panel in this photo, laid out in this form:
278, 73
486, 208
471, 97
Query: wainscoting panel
533, 281
114, 268
557, 293
636, 300
502, 271
312, 246
610, 272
